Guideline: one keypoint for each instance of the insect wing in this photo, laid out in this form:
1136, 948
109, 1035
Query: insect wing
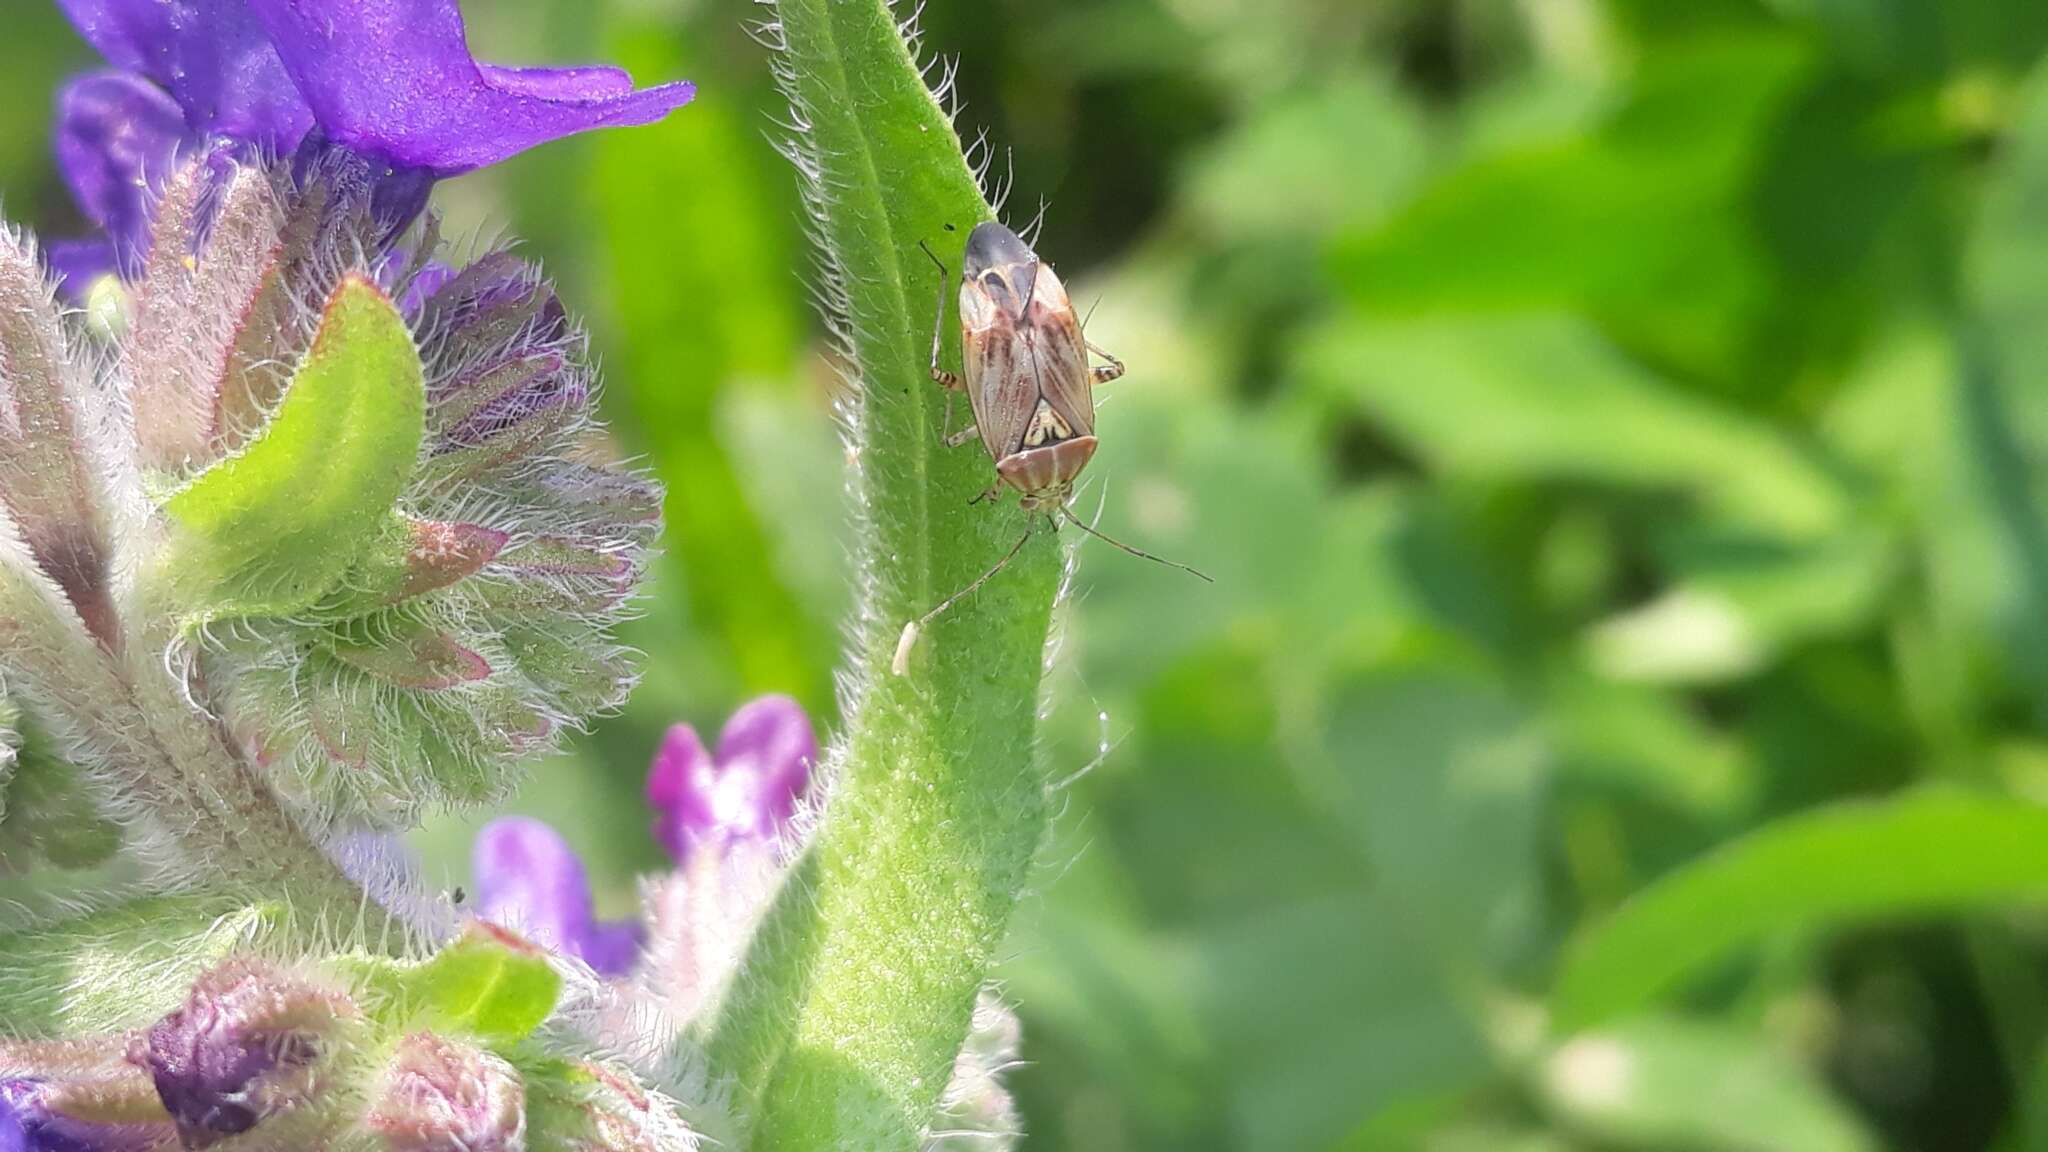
997, 366
1059, 356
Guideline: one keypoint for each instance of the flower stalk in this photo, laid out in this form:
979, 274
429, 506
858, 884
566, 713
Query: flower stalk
862, 983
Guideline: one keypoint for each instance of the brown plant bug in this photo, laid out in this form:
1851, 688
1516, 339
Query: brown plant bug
1024, 366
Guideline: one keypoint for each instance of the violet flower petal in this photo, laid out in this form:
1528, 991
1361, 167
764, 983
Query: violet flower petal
748, 792
680, 783
115, 133
210, 55
611, 947
530, 880
768, 743
395, 79
77, 264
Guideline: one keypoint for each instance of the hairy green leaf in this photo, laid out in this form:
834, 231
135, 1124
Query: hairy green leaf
123, 965
487, 983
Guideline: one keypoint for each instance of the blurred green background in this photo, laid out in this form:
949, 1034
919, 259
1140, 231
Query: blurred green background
1615, 428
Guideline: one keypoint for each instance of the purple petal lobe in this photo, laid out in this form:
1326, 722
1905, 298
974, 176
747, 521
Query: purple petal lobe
33, 1118
679, 788
395, 79
747, 793
612, 947
210, 55
116, 132
560, 83
769, 741
78, 264
530, 880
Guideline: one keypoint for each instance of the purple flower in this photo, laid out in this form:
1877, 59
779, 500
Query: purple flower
116, 134
390, 80
212, 56
394, 79
530, 880
748, 791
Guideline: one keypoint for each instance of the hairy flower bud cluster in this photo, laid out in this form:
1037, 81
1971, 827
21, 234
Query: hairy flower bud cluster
471, 626
427, 1056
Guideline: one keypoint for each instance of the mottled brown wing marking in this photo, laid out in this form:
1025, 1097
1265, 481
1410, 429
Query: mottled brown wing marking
1059, 365
1002, 396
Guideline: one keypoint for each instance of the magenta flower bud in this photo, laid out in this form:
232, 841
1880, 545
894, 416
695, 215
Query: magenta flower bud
241, 1049
528, 879
441, 1096
747, 792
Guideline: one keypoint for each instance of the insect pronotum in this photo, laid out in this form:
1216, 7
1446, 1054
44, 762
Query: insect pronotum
1024, 366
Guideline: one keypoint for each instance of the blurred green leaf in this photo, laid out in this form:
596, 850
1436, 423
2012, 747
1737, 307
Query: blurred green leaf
708, 312
1442, 777
1923, 852
1926, 39
1648, 743
1547, 398
1665, 1083
2008, 257
1737, 602
1341, 153
1328, 1017
1644, 217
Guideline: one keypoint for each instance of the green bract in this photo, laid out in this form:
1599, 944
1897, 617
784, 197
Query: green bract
272, 529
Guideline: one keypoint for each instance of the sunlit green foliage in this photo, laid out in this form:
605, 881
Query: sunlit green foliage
1618, 435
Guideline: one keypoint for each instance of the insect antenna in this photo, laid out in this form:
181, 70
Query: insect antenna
900, 665
1091, 312
1140, 553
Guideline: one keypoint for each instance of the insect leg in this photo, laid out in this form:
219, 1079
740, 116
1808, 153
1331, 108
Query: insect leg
904, 643
1104, 373
1113, 542
956, 439
944, 378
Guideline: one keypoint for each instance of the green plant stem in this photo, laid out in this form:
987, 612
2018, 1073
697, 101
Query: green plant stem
861, 986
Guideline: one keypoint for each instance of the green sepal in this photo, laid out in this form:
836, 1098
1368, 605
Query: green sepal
272, 530
585, 674
409, 558
411, 655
